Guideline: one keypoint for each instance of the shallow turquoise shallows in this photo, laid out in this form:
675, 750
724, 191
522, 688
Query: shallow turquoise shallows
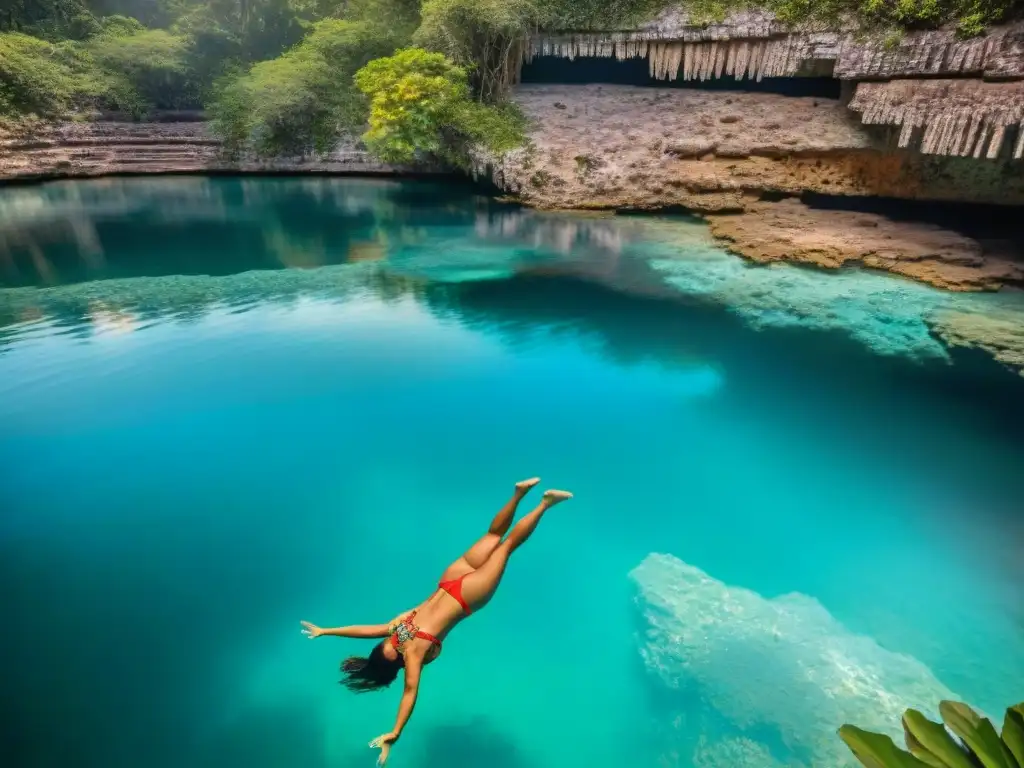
227, 405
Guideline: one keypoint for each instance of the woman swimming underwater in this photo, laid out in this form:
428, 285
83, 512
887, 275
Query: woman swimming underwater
413, 638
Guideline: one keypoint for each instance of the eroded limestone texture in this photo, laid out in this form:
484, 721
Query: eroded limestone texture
100, 148
630, 147
791, 231
782, 667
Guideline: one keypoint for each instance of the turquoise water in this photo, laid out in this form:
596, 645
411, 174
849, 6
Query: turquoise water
227, 405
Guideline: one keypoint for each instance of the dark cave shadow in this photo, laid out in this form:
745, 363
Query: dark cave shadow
470, 745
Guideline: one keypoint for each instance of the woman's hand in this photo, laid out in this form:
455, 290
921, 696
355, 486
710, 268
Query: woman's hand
311, 630
384, 743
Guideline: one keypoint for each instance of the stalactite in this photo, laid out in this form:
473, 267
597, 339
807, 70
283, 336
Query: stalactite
702, 60
907, 133
972, 132
997, 141
959, 117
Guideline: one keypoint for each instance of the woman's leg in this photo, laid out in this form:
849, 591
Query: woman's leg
478, 554
479, 586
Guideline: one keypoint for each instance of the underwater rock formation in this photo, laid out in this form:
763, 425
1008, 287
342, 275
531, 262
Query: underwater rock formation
791, 231
999, 334
109, 147
782, 667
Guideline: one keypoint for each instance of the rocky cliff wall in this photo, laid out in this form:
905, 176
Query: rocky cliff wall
851, 54
108, 147
633, 147
969, 115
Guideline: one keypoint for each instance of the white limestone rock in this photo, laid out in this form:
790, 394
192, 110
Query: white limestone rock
782, 665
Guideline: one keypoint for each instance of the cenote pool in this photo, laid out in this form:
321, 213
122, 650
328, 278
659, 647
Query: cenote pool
230, 404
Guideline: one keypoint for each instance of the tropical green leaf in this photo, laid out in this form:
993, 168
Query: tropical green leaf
978, 733
877, 751
932, 743
1013, 732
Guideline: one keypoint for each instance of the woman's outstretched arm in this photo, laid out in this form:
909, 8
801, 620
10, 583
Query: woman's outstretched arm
357, 630
384, 742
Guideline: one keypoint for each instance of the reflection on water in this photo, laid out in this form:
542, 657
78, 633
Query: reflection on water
64, 233
140, 249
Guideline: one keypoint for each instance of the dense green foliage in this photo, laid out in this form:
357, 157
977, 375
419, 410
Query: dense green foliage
967, 740
106, 57
37, 76
484, 35
301, 100
279, 75
142, 69
969, 16
421, 107
598, 14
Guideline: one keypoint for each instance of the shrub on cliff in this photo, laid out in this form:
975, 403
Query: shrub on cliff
606, 14
421, 108
302, 100
144, 68
970, 17
485, 36
43, 78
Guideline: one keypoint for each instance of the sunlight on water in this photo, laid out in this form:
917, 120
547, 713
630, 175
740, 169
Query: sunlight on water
230, 404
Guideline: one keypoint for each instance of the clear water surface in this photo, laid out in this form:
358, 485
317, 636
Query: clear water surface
230, 404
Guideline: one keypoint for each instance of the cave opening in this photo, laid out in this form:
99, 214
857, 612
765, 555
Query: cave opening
586, 70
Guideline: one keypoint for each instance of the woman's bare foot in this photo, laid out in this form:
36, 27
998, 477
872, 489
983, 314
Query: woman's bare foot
556, 497
524, 485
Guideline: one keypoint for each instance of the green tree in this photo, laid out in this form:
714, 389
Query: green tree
303, 99
421, 108
51, 19
43, 78
487, 37
144, 69
607, 14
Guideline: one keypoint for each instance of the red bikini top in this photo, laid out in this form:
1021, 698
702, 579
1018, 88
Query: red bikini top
406, 630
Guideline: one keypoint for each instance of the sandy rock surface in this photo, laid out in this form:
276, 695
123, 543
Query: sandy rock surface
791, 231
601, 146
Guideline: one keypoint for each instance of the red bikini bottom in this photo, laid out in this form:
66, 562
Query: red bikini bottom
454, 588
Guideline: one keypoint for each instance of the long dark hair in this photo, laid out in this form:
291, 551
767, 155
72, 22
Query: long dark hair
371, 673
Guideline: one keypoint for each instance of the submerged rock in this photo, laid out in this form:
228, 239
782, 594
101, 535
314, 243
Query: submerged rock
791, 231
776, 676
1000, 333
